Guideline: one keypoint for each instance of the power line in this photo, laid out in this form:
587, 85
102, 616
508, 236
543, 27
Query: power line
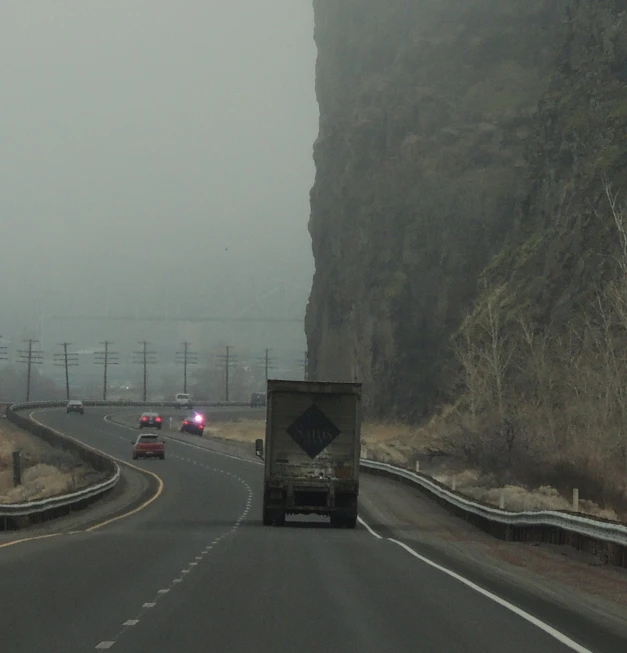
304, 363
267, 362
30, 357
186, 358
227, 361
145, 358
67, 360
106, 358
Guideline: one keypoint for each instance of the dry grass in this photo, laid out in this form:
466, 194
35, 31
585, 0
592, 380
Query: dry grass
46, 471
243, 430
401, 444
478, 486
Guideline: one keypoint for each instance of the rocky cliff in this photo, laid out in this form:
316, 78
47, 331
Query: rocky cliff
565, 243
427, 110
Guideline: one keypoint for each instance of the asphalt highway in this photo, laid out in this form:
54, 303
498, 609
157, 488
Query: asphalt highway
196, 571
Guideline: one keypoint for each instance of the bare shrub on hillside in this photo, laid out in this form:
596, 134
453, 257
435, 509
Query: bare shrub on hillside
548, 404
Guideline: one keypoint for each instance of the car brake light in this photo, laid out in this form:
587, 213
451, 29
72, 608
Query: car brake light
158, 419
144, 419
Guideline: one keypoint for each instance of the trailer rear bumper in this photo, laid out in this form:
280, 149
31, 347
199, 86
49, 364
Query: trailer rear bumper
332, 499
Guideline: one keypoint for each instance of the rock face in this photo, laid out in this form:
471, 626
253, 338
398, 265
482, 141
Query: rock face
427, 111
565, 243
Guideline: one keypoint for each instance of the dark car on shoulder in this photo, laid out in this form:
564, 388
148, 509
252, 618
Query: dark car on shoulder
194, 424
150, 420
148, 446
257, 399
75, 406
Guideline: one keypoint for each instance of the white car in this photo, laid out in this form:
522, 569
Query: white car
75, 406
183, 400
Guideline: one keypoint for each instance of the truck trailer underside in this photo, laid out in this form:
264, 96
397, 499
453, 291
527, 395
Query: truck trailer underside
337, 502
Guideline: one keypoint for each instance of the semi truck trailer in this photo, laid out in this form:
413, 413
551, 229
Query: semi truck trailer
311, 451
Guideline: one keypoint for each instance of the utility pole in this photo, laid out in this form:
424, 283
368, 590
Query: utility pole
145, 358
186, 358
67, 360
106, 358
4, 355
226, 360
30, 357
268, 363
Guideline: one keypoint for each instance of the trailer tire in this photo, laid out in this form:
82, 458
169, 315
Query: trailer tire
273, 517
351, 520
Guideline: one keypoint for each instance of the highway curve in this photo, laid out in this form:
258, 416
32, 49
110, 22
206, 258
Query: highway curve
196, 571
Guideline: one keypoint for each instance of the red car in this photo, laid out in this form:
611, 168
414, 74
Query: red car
148, 446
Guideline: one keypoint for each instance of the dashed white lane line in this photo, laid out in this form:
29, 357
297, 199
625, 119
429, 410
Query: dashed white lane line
107, 644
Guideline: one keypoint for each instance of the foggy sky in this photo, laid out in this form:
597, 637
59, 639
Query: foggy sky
139, 139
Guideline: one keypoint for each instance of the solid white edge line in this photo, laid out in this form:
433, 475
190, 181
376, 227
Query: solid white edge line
186, 444
549, 630
372, 532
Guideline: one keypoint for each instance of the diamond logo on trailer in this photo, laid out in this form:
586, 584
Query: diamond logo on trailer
313, 431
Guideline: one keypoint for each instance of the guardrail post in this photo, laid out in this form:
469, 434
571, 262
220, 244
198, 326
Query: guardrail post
170, 427
502, 499
454, 484
575, 500
17, 468
417, 465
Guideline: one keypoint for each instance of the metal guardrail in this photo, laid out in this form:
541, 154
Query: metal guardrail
130, 404
29, 508
595, 535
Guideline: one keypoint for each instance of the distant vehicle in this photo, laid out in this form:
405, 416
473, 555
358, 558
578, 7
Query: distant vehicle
150, 420
194, 424
183, 400
257, 399
148, 446
75, 406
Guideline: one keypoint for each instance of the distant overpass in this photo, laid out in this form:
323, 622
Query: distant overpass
168, 318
